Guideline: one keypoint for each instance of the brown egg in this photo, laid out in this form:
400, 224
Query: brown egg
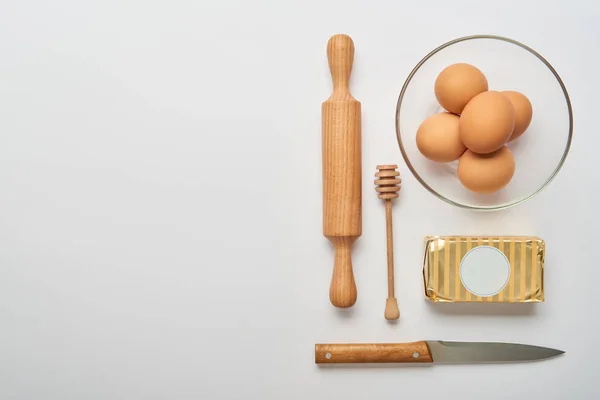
486, 173
487, 122
438, 138
523, 112
457, 84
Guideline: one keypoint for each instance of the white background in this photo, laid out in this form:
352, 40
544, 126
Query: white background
160, 203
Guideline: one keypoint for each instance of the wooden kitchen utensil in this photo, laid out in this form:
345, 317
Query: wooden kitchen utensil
387, 184
428, 351
341, 147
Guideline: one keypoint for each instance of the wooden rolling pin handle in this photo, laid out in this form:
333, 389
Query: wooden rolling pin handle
342, 292
415, 352
340, 54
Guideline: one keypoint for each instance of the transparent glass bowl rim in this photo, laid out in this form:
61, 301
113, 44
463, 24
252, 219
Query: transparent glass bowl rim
405, 155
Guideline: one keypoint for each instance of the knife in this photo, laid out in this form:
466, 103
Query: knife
431, 351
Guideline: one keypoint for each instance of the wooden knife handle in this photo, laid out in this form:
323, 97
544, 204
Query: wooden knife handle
415, 352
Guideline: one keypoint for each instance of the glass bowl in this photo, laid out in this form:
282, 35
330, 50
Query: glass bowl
508, 65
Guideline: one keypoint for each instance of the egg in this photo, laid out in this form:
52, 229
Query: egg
486, 173
487, 122
457, 84
438, 138
523, 112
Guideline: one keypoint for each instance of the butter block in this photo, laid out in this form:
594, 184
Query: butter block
495, 269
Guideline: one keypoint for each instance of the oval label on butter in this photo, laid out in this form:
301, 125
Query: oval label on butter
484, 271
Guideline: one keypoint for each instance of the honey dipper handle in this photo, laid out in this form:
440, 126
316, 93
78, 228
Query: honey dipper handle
390, 247
342, 292
340, 53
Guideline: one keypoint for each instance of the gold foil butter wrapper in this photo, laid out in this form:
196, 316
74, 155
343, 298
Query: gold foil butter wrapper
508, 269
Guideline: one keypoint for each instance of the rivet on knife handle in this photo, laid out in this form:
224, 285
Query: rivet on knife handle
415, 352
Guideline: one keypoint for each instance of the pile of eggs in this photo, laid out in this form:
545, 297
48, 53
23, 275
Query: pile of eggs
475, 128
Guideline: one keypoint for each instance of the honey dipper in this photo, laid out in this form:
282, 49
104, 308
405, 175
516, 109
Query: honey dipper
387, 184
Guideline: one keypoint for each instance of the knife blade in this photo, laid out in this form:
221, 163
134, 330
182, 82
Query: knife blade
437, 351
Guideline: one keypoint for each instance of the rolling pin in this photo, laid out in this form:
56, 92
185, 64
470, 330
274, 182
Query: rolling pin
342, 196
